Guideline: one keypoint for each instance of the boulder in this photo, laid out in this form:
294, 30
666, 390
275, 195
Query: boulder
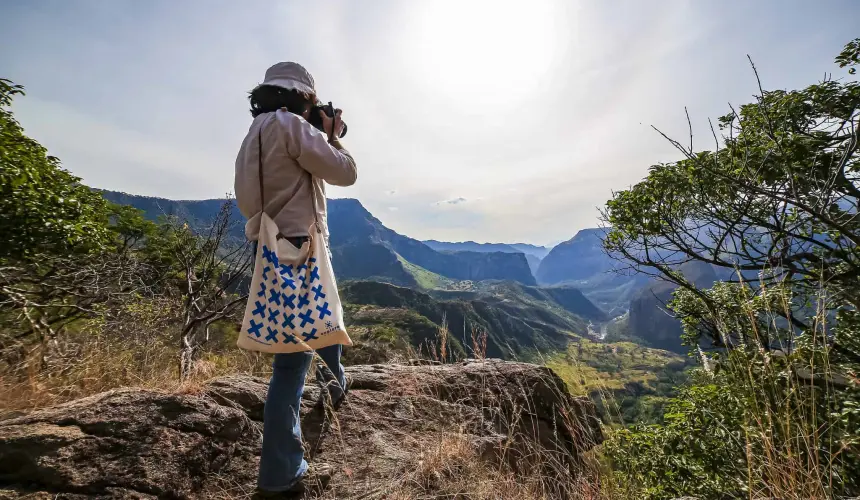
134, 443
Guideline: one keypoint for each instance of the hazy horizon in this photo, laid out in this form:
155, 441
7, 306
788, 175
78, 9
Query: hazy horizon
469, 121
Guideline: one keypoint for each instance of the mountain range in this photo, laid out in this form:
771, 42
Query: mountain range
362, 247
575, 284
533, 253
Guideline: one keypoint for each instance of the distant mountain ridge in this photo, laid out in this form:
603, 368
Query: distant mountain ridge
533, 253
576, 276
362, 247
470, 246
578, 258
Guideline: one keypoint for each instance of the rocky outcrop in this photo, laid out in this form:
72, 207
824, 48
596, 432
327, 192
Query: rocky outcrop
134, 443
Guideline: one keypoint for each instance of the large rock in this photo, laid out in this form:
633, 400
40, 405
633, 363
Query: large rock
144, 444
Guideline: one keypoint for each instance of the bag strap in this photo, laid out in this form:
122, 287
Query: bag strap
260, 177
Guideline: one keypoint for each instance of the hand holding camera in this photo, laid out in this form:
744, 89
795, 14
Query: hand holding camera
327, 118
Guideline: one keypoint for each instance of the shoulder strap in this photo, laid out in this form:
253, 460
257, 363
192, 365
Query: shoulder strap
260, 176
260, 164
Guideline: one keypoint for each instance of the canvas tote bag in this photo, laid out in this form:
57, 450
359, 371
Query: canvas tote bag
293, 304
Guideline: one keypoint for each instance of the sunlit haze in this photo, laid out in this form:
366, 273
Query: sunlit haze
488, 121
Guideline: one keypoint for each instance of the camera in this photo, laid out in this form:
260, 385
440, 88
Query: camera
316, 120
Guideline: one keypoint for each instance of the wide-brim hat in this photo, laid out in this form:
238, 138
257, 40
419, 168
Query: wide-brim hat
290, 75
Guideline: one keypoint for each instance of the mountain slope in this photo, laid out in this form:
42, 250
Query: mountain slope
579, 258
517, 327
559, 300
534, 262
651, 321
350, 223
533, 253
581, 262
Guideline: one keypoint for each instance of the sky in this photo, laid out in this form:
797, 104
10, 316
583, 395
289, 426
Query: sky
484, 120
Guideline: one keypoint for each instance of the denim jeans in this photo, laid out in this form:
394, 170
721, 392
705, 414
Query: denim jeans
282, 461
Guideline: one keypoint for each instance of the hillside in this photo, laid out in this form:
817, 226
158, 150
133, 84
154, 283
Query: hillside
650, 321
516, 325
581, 262
391, 324
579, 258
562, 298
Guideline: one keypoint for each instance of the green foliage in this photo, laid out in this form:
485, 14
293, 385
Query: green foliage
777, 200
628, 382
696, 451
426, 279
43, 208
775, 412
850, 56
756, 425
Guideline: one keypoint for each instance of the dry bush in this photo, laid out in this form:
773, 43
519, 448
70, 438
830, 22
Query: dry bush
452, 467
462, 461
136, 345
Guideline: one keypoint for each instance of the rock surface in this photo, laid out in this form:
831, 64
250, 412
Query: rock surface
132, 443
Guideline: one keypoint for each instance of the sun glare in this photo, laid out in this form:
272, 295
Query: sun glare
480, 52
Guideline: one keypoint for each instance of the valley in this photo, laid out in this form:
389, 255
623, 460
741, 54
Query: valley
563, 307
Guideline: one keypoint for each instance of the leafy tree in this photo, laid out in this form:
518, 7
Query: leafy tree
776, 201
776, 205
694, 452
66, 249
43, 208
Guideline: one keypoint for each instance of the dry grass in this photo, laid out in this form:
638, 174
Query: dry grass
456, 460
107, 367
439, 457
451, 467
139, 348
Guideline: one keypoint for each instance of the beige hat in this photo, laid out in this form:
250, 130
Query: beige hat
290, 75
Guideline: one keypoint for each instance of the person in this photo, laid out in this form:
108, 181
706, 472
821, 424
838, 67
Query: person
297, 161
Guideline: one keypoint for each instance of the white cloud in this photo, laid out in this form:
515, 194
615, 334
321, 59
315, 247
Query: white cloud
453, 201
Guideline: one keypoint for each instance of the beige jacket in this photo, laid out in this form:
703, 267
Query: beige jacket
293, 150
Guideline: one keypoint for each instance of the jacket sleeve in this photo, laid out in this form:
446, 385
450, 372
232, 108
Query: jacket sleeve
310, 148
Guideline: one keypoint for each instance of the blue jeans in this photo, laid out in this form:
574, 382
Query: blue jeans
282, 462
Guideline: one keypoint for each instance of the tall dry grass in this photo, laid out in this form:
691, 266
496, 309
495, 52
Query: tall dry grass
772, 417
136, 346
796, 441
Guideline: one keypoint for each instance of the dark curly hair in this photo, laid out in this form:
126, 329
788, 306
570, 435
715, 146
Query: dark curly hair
269, 98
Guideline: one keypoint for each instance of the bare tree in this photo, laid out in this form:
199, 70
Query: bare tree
213, 265
39, 298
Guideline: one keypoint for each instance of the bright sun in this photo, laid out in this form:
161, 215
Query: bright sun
480, 52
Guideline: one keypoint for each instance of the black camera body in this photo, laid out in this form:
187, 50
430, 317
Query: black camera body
316, 120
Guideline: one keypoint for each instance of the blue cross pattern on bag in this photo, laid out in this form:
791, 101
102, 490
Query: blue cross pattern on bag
289, 302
